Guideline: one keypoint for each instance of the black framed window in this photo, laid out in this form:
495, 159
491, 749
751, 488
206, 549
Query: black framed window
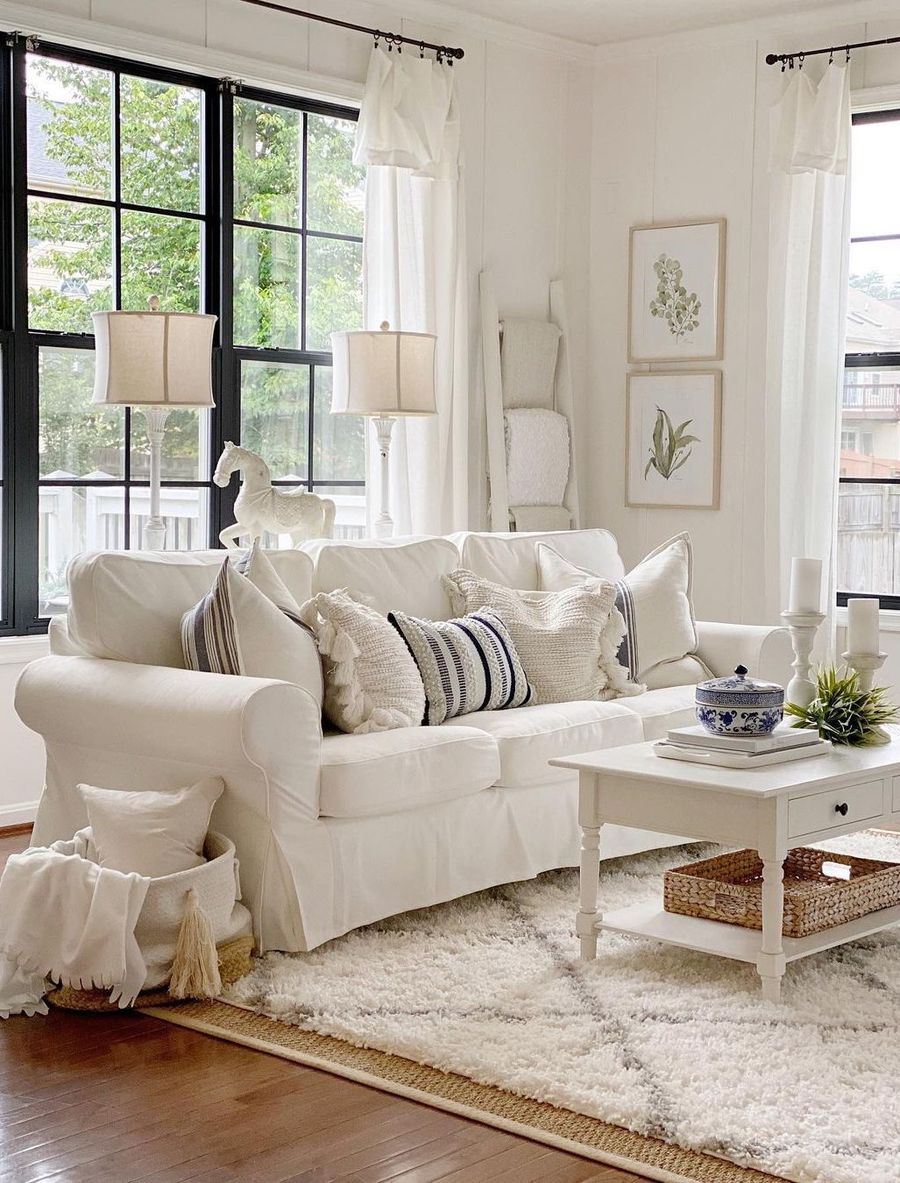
868, 538
123, 181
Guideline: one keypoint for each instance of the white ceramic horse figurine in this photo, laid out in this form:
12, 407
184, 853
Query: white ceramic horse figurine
260, 508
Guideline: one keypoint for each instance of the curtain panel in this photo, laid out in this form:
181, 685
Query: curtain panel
414, 273
807, 298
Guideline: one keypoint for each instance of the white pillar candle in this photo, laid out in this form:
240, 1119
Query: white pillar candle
806, 586
862, 626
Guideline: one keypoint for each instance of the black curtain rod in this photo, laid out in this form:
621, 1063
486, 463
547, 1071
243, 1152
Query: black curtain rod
390, 39
772, 59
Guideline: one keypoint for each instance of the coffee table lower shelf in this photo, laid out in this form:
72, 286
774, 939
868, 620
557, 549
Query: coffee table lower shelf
730, 940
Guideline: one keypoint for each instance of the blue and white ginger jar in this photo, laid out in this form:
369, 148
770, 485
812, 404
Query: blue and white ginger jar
738, 705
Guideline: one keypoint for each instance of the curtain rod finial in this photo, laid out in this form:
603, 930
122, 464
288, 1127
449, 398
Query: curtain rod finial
771, 59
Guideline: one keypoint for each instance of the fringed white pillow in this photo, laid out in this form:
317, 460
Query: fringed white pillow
567, 640
372, 682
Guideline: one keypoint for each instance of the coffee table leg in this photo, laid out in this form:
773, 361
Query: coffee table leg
585, 921
770, 962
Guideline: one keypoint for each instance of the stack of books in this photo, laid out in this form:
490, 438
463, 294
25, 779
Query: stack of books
700, 746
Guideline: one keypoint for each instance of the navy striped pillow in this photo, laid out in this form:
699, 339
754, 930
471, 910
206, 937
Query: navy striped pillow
469, 664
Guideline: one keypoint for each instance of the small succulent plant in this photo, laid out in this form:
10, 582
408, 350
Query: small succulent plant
843, 712
679, 307
671, 445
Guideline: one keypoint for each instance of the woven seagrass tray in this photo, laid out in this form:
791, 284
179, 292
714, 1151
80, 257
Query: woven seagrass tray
729, 888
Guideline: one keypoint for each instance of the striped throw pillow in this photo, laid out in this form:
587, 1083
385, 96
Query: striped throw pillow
249, 623
469, 664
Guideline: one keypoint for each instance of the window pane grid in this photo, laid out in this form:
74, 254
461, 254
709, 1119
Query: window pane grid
868, 543
100, 227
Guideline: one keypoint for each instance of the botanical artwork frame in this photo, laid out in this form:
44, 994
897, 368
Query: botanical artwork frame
673, 440
676, 291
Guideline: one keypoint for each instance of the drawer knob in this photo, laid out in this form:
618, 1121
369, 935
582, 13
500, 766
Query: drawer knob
842, 808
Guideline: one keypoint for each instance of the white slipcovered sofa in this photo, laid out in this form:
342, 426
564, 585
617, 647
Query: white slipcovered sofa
334, 831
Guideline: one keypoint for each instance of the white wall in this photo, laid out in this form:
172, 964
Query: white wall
526, 109
21, 751
680, 131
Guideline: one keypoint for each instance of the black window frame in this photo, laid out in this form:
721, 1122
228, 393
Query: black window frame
19, 344
872, 361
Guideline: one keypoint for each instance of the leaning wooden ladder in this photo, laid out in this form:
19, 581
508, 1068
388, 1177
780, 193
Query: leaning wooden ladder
502, 515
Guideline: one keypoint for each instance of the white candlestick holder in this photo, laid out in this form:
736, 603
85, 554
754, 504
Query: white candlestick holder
801, 689
866, 665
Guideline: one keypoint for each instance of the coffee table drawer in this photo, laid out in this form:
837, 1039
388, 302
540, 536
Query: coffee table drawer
824, 811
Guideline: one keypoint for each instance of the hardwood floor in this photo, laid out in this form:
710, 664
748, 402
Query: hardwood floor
122, 1098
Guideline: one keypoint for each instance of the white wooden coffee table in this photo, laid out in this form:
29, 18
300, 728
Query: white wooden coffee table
768, 809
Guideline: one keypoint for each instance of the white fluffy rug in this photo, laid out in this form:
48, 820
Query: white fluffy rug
666, 1042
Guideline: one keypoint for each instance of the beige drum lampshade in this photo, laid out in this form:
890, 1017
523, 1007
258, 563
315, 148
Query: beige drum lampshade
383, 373
153, 358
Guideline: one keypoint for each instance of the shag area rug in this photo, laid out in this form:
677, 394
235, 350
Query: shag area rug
655, 1058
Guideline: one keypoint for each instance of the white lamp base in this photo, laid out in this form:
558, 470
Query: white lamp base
384, 523
154, 535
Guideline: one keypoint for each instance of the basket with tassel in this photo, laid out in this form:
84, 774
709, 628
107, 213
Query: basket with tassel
194, 933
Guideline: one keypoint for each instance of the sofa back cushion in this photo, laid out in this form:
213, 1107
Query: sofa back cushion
128, 606
511, 559
390, 575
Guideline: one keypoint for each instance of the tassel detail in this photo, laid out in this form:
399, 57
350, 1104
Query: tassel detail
195, 968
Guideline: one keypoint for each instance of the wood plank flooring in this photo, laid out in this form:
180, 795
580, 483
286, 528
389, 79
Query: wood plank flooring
125, 1098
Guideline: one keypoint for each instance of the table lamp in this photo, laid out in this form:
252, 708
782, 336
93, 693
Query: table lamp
383, 374
155, 361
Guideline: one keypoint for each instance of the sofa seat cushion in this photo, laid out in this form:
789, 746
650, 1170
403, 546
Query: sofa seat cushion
389, 771
659, 710
530, 736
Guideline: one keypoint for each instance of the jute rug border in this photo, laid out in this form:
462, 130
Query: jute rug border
562, 1129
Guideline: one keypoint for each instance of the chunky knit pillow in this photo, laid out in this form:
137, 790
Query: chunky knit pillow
466, 665
567, 640
372, 682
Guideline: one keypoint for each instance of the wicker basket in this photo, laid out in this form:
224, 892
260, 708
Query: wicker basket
729, 888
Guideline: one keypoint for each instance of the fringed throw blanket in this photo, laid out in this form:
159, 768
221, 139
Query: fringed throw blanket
66, 920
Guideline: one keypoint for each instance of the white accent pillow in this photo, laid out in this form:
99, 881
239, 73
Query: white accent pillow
654, 599
372, 682
249, 623
567, 641
151, 833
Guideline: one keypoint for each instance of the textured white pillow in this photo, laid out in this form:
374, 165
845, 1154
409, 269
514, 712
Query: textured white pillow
151, 833
249, 623
372, 682
567, 640
654, 599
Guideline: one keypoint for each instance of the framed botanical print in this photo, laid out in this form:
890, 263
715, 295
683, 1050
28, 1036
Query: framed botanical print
673, 440
676, 291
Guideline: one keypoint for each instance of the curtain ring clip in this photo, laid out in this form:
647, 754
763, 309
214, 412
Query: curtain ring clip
847, 59
802, 59
421, 49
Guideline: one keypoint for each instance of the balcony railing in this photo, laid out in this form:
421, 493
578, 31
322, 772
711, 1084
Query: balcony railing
871, 400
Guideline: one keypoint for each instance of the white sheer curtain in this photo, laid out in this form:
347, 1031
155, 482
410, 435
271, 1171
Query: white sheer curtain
808, 247
414, 273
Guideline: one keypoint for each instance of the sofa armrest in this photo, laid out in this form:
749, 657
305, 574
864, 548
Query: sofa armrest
764, 649
250, 731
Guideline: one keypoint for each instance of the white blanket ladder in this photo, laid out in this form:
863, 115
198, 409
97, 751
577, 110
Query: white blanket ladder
530, 412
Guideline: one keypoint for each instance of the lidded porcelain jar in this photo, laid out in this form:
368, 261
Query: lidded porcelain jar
739, 705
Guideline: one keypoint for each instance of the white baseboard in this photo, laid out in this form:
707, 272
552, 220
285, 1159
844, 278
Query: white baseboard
17, 815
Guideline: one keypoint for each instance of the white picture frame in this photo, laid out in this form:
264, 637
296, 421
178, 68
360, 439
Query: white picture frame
676, 291
673, 435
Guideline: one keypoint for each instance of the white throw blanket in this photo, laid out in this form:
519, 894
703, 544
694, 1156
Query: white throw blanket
537, 456
66, 920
